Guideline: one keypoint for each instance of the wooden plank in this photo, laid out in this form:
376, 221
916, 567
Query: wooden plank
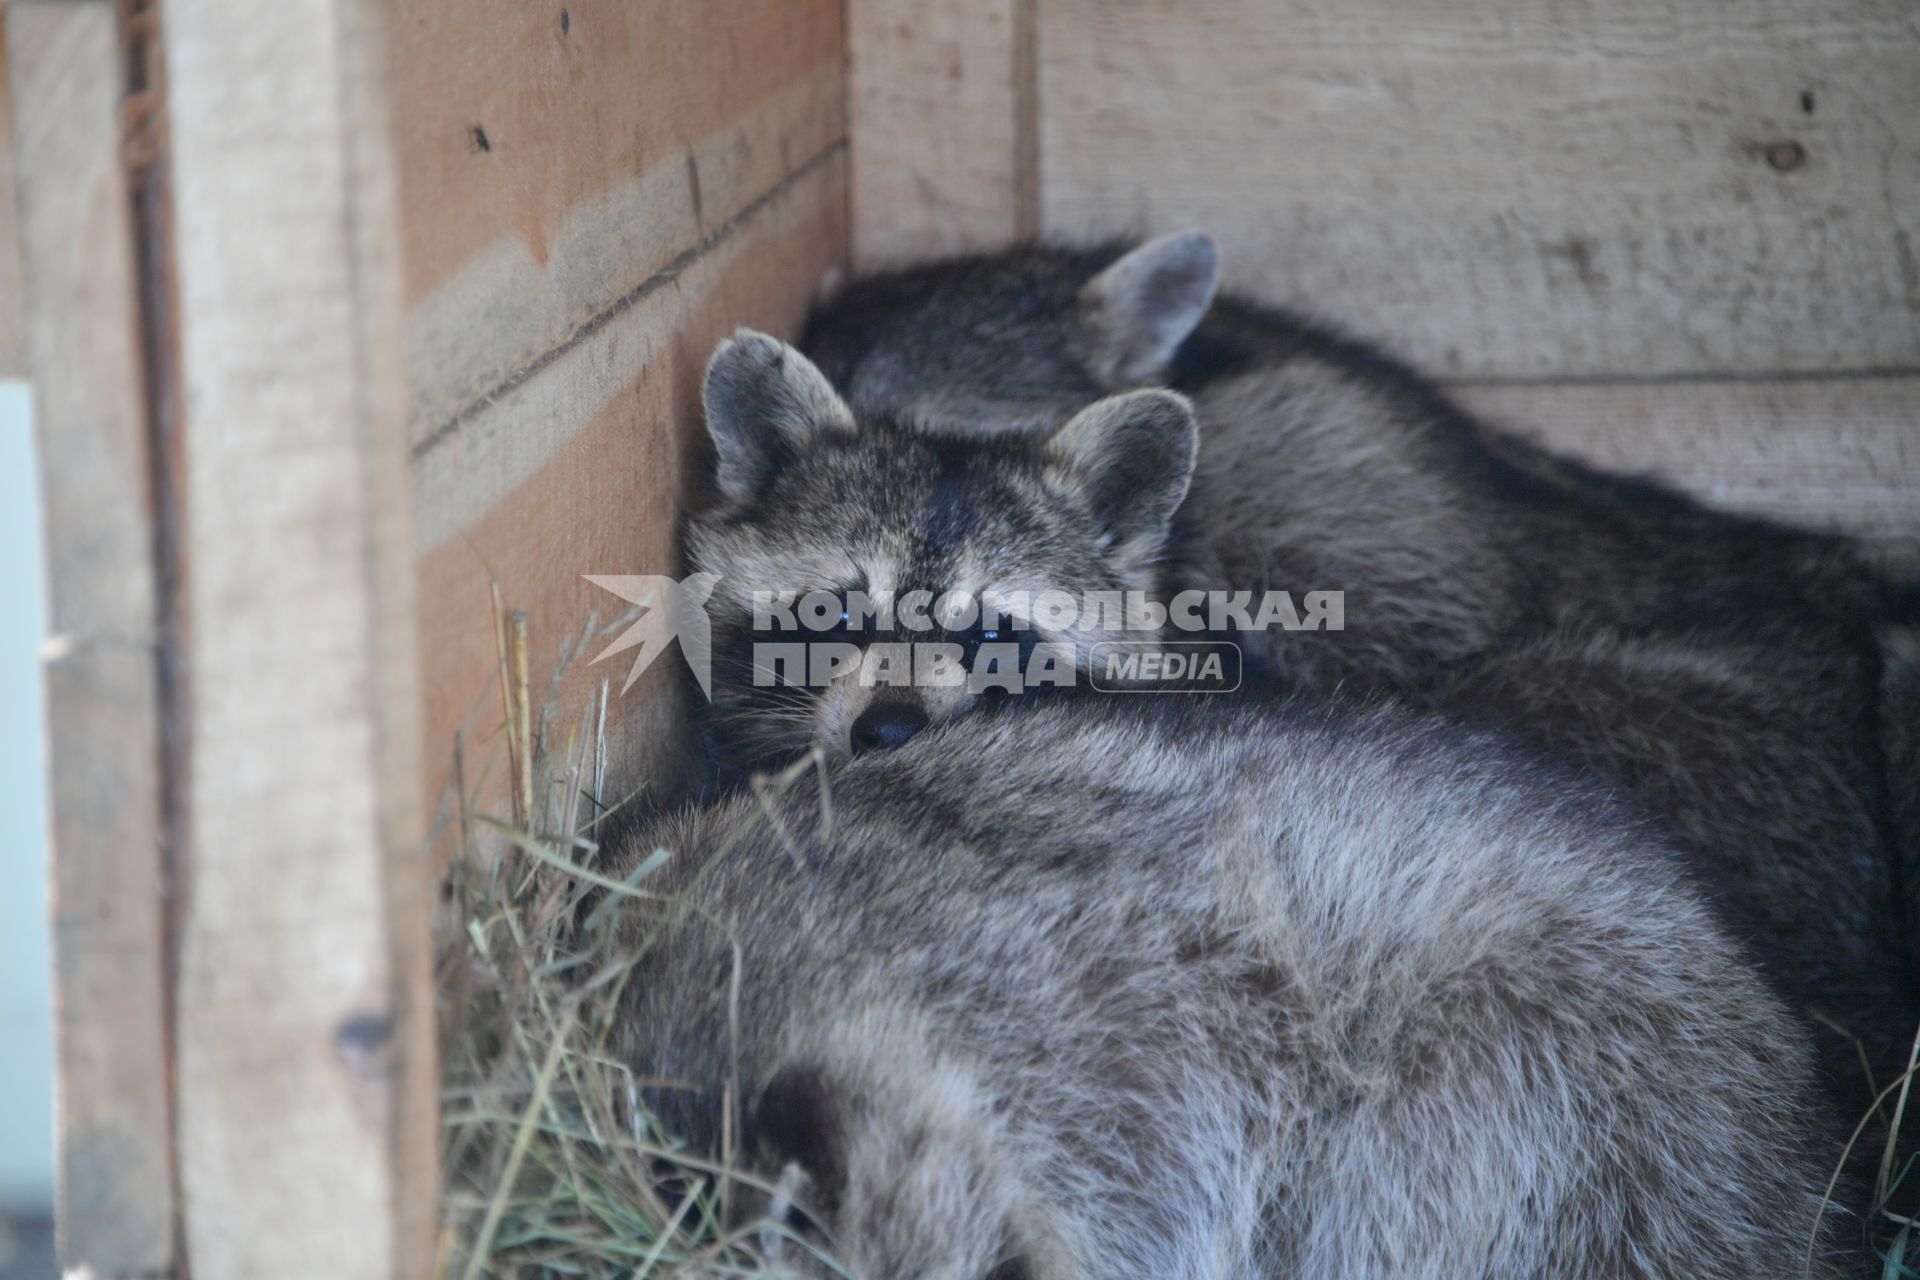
115, 1190
582, 469
13, 333
305, 1073
556, 157
1517, 188
579, 182
941, 116
1841, 454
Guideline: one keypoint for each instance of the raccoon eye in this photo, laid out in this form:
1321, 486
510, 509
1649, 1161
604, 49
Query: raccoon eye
850, 628
973, 639
1025, 637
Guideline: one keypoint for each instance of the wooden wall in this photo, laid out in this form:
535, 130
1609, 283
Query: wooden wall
1667, 236
941, 97
593, 193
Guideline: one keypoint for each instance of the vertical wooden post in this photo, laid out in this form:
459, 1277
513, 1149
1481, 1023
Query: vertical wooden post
305, 1071
943, 122
115, 1194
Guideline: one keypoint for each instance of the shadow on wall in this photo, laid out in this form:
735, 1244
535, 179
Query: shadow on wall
26, 1006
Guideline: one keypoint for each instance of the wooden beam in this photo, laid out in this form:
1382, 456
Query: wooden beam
115, 1188
943, 127
305, 1071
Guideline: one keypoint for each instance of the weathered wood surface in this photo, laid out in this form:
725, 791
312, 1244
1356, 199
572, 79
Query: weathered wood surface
13, 332
582, 469
652, 175
1836, 453
305, 1071
1515, 187
555, 157
941, 116
115, 1192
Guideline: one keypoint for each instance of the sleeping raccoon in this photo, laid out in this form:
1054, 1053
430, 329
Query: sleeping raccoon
814, 503
1748, 740
1593, 612
1222, 988
1323, 462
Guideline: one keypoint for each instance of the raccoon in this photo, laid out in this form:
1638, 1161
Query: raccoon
1724, 667
812, 499
1751, 774
1325, 461
1221, 988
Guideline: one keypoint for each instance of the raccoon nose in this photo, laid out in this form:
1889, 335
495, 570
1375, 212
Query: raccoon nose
885, 725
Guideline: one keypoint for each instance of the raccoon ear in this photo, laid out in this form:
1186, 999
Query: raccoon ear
1141, 308
762, 399
1131, 457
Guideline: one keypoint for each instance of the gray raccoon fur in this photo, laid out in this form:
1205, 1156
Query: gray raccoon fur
1724, 745
811, 498
1750, 740
1723, 666
1210, 988
1899, 639
1324, 461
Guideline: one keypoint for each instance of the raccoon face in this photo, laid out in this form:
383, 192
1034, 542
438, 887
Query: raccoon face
1017, 342
876, 576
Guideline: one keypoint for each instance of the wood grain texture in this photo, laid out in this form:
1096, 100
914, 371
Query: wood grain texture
583, 469
555, 156
115, 1193
13, 332
583, 185
1529, 188
1840, 454
305, 1074
941, 117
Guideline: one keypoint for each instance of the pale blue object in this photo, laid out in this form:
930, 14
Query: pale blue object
26, 1003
